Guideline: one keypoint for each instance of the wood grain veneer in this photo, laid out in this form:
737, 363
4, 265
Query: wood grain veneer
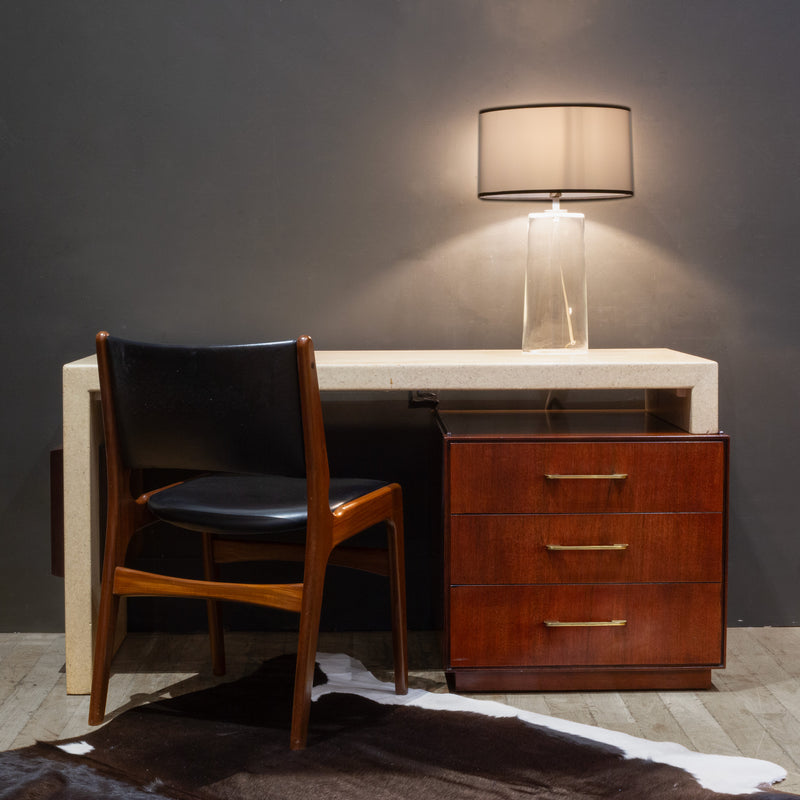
509, 477
667, 624
652, 501
486, 549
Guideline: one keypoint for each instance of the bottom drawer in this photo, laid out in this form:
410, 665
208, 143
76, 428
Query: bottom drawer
653, 624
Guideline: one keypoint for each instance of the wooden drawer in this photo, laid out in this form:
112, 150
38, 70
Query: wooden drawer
486, 549
512, 477
666, 624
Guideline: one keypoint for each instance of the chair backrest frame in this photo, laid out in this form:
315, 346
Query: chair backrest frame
239, 408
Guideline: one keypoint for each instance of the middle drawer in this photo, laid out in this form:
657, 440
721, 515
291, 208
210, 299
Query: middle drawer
585, 548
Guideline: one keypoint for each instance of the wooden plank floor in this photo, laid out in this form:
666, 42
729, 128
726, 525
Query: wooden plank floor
753, 710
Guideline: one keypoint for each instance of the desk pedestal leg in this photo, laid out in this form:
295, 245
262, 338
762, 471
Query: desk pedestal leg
83, 434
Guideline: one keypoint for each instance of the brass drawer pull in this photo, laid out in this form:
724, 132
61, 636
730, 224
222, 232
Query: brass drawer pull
586, 546
612, 623
614, 476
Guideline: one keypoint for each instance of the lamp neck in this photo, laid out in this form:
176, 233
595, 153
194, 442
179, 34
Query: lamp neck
556, 198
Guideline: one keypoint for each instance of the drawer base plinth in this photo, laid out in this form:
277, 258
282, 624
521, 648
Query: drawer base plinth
579, 680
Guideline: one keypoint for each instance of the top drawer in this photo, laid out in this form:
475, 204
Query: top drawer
527, 477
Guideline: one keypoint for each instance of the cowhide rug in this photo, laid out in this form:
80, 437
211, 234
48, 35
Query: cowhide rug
231, 741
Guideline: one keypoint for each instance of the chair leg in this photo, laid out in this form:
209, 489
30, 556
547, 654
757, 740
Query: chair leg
308, 636
216, 632
103, 655
397, 589
119, 529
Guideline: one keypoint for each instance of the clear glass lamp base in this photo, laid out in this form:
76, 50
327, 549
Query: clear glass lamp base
555, 316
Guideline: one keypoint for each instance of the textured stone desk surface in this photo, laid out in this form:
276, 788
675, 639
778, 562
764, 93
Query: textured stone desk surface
511, 369
367, 370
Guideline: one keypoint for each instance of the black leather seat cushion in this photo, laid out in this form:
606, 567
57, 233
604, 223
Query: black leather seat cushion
244, 504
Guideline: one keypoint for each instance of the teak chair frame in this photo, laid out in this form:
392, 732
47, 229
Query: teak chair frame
326, 528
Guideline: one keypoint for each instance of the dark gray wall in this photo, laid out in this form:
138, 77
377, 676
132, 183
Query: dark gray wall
238, 170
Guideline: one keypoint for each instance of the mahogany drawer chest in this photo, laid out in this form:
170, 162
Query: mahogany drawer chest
582, 550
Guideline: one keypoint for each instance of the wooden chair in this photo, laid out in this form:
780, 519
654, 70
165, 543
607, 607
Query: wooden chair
248, 418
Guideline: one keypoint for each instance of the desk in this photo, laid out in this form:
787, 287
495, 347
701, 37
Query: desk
679, 387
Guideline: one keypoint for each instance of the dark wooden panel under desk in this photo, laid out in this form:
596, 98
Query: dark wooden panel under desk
512, 477
665, 624
486, 548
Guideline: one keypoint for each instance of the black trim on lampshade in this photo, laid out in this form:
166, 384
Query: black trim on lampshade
555, 105
586, 195
532, 156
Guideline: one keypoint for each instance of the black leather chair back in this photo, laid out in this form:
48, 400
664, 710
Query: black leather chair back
219, 409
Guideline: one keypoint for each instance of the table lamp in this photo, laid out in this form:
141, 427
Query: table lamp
550, 152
